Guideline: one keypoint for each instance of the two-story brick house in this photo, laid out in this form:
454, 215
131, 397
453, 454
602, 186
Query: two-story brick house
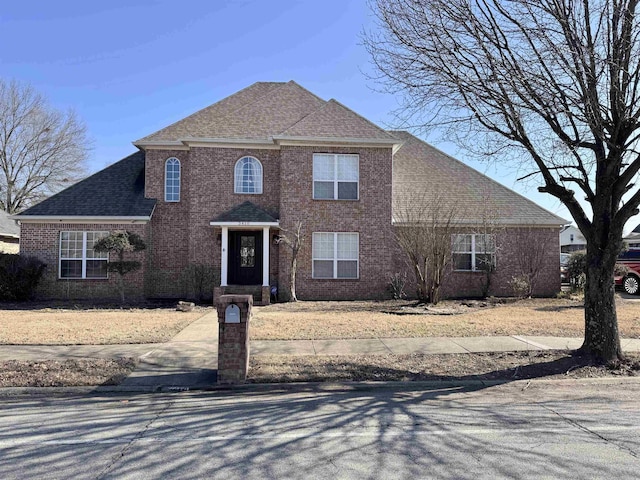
218, 188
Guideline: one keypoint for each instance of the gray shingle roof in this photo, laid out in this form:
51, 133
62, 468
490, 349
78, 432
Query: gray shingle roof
8, 227
419, 167
246, 212
266, 110
116, 191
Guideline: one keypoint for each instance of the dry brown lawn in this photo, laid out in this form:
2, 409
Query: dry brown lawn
65, 373
368, 319
455, 367
49, 326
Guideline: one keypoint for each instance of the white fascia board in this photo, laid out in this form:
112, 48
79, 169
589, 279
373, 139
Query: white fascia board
77, 219
244, 224
245, 143
315, 141
160, 144
476, 223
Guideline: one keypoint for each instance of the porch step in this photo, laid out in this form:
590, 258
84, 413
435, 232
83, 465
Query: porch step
254, 290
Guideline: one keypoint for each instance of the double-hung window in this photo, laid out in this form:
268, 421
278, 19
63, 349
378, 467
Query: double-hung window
335, 176
335, 255
474, 252
77, 257
172, 180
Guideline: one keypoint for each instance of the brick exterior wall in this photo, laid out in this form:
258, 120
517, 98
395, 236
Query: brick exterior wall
179, 233
182, 234
459, 284
370, 216
43, 241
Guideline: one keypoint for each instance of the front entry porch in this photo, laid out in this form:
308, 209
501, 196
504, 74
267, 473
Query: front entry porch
244, 252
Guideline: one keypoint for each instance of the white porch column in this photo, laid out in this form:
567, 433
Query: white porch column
224, 256
266, 242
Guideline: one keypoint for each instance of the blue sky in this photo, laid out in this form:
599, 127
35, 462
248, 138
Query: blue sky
129, 68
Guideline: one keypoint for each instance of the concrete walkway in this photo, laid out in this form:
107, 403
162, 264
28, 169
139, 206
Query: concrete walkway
190, 358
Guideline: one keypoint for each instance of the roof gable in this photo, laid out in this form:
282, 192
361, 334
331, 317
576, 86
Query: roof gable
260, 111
200, 122
419, 167
116, 191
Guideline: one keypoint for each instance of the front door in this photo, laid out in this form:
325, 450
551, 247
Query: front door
245, 258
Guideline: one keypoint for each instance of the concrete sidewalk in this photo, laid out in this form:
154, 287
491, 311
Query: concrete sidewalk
190, 359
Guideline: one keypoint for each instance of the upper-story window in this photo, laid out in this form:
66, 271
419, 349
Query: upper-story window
335, 176
172, 180
248, 176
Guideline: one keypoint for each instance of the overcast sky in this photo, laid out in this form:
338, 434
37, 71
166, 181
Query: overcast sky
132, 67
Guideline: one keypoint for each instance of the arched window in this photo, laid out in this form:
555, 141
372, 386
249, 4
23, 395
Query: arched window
172, 180
248, 176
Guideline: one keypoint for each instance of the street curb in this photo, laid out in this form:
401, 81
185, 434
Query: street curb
326, 387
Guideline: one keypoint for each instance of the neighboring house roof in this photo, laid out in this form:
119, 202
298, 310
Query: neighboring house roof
245, 212
265, 111
419, 168
117, 191
8, 227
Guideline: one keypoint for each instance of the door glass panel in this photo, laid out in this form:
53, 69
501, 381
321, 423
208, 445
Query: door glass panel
247, 251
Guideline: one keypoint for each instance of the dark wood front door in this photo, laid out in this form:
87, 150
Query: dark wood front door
245, 258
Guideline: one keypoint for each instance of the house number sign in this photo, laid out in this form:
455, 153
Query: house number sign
232, 314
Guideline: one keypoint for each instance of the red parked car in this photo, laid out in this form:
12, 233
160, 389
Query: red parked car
630, 281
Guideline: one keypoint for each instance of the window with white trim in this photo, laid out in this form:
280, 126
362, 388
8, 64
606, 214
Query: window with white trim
77, 257
248, 175
172, 180
473, 252
335, 255
335, 176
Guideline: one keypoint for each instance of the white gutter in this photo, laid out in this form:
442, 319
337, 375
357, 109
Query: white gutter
77, 219
245, 224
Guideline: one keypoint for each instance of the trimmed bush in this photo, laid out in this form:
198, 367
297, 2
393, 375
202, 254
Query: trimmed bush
19, 277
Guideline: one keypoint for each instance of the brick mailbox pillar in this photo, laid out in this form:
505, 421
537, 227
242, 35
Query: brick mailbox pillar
234, 312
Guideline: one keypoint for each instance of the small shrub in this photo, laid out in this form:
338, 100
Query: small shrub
397, 285
199, 280
577, 270
519, 286
19, 277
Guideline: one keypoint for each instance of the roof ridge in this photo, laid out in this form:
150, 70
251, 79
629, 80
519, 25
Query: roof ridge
282, 85
363, 118
211, 105
483, 175
306, 116
248, 104
293, 82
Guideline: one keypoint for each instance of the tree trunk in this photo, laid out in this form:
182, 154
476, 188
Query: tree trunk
292, 278
121, 287
601, 337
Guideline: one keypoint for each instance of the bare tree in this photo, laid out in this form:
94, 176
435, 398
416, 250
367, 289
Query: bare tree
41, 149
531, 255
487, 232
424, 225
553, 85
294, 240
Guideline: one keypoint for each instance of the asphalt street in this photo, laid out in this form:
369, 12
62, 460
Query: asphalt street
566, 429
